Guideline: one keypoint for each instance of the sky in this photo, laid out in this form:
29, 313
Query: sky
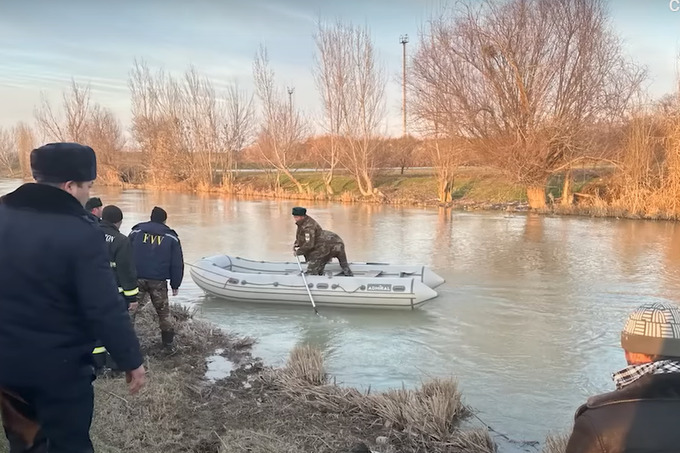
45, 43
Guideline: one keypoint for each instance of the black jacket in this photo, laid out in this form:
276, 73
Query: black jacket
122, 260
158, 253
57, 291
642, 417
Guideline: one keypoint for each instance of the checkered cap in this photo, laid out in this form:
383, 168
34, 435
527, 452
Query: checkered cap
653, 329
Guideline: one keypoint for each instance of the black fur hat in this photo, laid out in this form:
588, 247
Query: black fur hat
61, 162
299, 211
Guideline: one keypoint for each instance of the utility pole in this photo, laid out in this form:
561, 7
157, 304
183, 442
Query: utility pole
403, 39
290, 102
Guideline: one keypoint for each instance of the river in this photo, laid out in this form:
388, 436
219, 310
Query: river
528, 319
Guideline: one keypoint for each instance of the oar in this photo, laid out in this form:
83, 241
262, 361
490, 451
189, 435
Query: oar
304, 279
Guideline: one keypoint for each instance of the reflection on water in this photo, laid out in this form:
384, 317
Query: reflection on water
528, 320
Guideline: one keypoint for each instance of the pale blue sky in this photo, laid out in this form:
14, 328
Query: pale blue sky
43, 43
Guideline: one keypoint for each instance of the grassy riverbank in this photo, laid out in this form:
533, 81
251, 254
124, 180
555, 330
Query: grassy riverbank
479, 187
259, 409
595, 191
474, 188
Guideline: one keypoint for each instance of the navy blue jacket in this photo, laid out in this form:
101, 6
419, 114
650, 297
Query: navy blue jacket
157, 252
57, 291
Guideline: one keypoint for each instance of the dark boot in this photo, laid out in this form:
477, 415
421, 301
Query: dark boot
167, 337
111, 363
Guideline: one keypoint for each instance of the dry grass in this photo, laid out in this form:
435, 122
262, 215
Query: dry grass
556, 443
305, 365
425, 419
257, 410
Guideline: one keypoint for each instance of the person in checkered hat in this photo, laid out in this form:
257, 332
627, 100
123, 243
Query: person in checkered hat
643, 413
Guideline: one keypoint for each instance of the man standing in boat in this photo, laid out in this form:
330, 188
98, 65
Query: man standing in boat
318, 246
158, 258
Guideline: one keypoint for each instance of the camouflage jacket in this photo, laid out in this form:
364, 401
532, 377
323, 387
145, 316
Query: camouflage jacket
308, 235
330, 238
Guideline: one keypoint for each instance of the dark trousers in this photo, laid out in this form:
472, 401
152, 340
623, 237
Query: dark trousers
63, 411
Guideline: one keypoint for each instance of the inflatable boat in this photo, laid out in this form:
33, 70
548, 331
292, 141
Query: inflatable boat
374, 285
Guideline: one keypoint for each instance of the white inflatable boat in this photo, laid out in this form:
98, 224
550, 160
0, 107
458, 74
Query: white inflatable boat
374, 285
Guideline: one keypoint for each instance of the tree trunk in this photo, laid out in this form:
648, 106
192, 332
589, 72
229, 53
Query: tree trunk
327, 180
566, 189
293, 179
536, 196
364, 184
444, 186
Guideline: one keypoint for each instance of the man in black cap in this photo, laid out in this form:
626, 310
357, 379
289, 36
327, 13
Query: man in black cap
94, 207
158, 258
123, 265
318, 246
57, 295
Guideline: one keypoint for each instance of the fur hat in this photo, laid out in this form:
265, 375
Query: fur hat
653, 329
299, 211
62, 162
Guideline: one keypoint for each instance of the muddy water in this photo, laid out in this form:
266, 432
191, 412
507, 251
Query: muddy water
528, 319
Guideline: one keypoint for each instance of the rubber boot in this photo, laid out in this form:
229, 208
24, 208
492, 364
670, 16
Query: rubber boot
167, 337
99, 362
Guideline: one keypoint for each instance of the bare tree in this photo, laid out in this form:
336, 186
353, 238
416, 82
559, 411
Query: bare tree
24, 139
203, 125
80, 120
283, 128
352, 86
330, 81
186, 129
239, 127
9, 158
157, 127
104, 134
71, 123
401, 151
522, 79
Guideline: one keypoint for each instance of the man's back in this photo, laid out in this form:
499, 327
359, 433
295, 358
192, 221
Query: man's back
330, 238
120, 253
57, 290
157, 252
642, 417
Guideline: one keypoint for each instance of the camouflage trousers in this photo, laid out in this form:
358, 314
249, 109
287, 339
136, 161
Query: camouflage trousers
157, 291
323, 254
